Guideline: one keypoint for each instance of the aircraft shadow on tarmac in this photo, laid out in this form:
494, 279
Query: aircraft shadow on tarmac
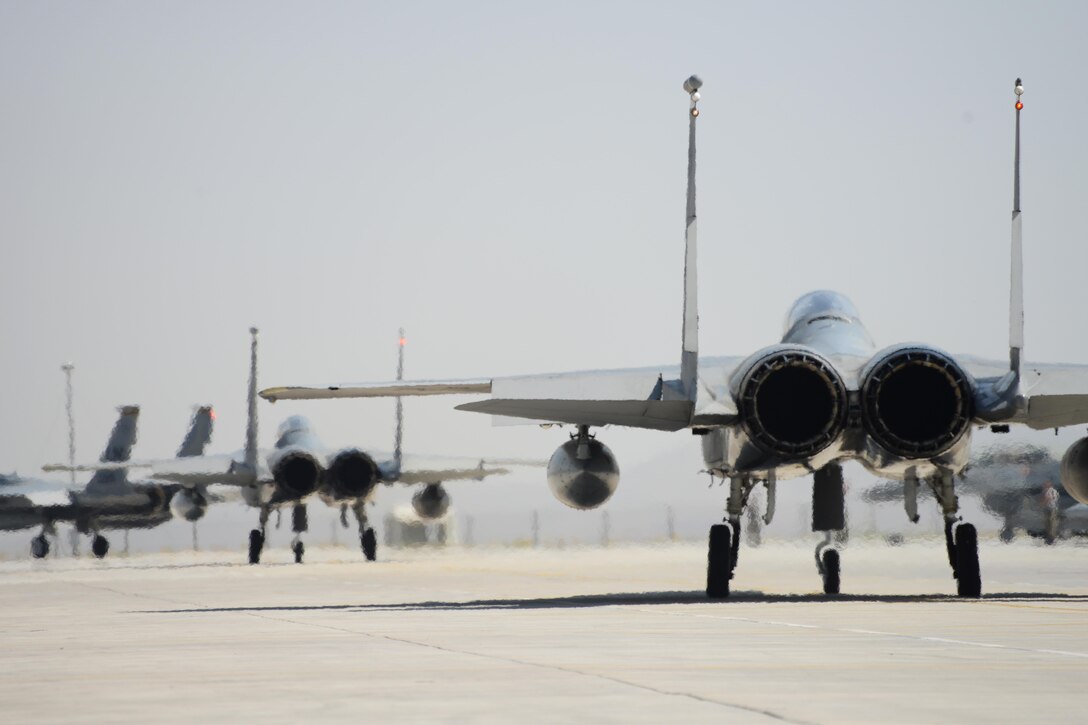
635, 599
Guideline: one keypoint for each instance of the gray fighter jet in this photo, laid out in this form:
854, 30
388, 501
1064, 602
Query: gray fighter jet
299, 465
109, 501
824, 394
1018, 483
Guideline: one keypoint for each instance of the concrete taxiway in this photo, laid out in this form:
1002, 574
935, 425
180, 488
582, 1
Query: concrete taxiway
622, 634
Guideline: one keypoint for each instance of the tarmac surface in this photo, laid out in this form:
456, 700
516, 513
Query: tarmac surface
622, 634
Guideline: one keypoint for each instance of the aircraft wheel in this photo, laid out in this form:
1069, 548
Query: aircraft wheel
830, 560
369, 543
256, 543
39, 547
968, 578
1007, 534
299, 550
719, 564
100, 546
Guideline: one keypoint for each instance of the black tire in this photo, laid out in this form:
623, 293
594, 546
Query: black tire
39, 547
1008, 533
369, 543
100, 546
299, 548
968, 578
256, 543
719, 562
830, 559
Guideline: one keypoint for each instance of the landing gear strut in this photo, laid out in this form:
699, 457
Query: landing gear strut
256, 539
828, 515
961, 539
724, 545
299, 524
368, 542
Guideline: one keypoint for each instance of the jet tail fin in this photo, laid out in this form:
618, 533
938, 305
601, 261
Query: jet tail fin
398, 434
689, 357
1016, 286
199, 434
118, 449
251, 417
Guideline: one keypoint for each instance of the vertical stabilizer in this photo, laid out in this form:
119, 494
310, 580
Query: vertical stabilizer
199, 434
689, 357
118, 449
251, 420
399, 431
1016, 286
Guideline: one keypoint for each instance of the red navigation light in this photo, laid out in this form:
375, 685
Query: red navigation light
211, 413
1019, 105
403, 342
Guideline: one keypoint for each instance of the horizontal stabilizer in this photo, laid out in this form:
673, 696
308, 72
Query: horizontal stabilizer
653, 414
1057, 395
210, 478
454, 474
377, 390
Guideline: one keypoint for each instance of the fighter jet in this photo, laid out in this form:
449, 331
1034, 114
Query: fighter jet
109, 500
299, 465
1017, 483
824, 394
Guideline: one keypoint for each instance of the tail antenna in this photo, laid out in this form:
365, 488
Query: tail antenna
251, 422
689, 358
1016, 287
399, 433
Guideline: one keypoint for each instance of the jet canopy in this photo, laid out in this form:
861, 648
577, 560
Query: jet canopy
821, 303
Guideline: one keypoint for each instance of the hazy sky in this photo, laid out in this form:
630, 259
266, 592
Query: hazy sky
506, 181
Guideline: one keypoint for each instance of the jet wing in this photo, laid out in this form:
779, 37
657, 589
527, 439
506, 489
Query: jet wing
634, 397
1057, 395
449, 474
224, 469
377, 390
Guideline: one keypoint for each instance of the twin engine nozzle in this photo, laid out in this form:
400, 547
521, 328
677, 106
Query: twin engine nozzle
915, 402
351, 473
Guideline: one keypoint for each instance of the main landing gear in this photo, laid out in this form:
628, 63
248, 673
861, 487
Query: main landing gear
256, 538
368, 542
39, 546
961, 539
724, 545
100, 546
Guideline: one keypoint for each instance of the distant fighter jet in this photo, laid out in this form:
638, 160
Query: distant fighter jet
109, 500
822, 395
300, 465
1018, 483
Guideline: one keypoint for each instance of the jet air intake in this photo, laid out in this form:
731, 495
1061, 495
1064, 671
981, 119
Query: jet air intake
351, 474
916, 401
296, 474
792, 401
